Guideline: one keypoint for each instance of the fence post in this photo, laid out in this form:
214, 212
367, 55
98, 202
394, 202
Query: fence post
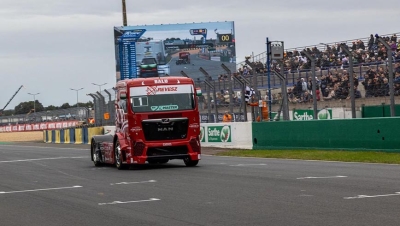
391, 87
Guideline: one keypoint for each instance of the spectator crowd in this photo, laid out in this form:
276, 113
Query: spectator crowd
367, 54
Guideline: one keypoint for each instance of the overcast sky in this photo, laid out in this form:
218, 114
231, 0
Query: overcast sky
50, 46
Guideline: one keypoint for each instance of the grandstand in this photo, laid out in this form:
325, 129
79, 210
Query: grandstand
370, 71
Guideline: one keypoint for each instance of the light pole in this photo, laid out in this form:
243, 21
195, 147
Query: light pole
77, 90
99, 85
34, 100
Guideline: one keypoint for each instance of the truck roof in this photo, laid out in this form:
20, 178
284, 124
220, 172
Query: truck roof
154, 81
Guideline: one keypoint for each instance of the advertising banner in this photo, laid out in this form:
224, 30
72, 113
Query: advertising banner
168, 49
304, 115
38, 126
219, 134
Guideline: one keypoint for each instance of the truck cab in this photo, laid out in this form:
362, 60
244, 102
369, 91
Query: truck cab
157, 120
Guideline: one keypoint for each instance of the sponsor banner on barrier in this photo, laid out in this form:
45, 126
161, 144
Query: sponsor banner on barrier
38, 126
305, 115
219, 134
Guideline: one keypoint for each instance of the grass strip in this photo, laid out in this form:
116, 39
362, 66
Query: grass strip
343, 156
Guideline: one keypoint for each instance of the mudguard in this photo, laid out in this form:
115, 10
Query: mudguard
98, 142
123, 142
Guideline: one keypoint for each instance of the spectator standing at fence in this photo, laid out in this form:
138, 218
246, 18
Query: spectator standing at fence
304, 87
227, 117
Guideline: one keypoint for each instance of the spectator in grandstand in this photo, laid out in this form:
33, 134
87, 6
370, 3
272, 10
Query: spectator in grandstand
357, 93
371, 42
397, 89
307, 98
304, 87
398, 47
393, 38
292, 97
331, 94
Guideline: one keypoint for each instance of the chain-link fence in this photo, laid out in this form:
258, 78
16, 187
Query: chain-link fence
79, 114
104, 107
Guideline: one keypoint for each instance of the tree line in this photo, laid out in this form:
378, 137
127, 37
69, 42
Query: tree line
29, 106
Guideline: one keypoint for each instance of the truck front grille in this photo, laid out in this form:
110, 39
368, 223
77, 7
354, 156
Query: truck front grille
165, 129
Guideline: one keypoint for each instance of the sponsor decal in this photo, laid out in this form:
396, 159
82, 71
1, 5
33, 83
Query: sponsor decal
136, 129
161, 81
164, 108
153, 90
194, 125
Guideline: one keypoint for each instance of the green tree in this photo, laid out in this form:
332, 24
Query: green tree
65, 106
51, 108
25, 107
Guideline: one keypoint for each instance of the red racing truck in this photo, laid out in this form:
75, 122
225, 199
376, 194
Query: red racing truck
157, 120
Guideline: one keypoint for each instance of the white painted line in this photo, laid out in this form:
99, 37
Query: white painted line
372, 196
119, 202
303, 160
302, 178
261, 164
138, 182
44, 189
42, 147
29, 160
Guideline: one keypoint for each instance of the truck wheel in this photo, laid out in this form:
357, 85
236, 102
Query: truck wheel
190, 163
95, 158
118, 157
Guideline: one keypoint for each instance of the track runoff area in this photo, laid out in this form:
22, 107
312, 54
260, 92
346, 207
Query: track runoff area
59, 185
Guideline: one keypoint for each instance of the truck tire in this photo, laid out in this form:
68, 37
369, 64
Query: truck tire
118, 157
95, 158
190, 163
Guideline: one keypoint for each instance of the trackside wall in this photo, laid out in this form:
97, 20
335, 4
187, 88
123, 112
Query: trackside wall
235, 135
381, 134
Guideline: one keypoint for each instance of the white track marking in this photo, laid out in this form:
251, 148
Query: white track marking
138, 182
119, 202
260, 164
29, 160
43, 189
372, 196
303, 160
302, 178
42, 147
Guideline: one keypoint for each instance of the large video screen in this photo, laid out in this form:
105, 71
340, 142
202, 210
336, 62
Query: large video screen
169, 49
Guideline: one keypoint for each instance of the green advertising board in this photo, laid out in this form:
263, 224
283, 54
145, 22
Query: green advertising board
304, 115
219, 134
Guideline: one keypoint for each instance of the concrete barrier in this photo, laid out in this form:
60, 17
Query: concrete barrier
236, 135
71, 136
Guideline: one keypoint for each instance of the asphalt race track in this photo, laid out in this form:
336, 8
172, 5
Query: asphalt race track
58, 185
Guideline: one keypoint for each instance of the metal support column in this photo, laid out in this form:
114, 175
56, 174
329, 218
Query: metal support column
391, 85
345, 48
314, 83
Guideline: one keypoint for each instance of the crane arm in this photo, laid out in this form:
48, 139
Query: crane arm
1, 111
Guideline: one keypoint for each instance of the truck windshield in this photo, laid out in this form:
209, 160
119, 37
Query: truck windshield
162, 98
